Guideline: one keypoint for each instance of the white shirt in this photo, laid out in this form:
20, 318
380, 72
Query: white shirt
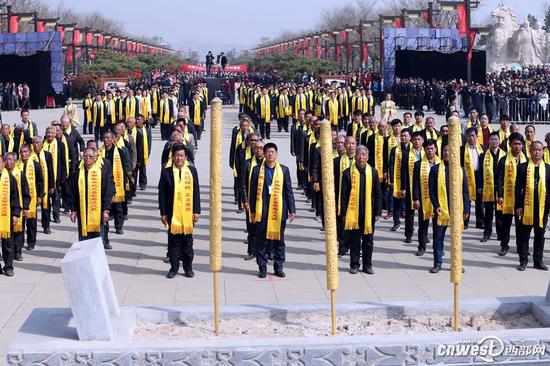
475, 156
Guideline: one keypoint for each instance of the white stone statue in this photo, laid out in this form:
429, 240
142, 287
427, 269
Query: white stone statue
510, 44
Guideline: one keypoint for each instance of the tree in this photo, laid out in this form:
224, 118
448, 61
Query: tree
547, 18
290, 65
108, 62
532, 20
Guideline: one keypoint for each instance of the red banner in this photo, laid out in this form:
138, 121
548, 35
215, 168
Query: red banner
61, 29
319, 52
76, 37
426, 16
462, 21
344, 36
100, 40
350, 50
14, 24
89, 36
398, 22
215, 68
473, 34
338, 52
69, 54
364, 54
40, 26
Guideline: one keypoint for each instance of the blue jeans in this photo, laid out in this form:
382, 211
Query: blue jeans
439, 237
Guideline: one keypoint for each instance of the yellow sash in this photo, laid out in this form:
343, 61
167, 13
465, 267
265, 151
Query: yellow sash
427, 207
182, 215
489, 176
18, 227
90, 214
529, 204
130, 108
197, 112
5, 212
510, 171
41, 159
413, 159
146, 144
333, 111
546, 156
345, 163
51, 147
165, 111
275, 210
379, 155
30, 174
118, 173
469, 167
397, 161
480, 134
88, 104
352, 213
144, 107
155, 102
265, 108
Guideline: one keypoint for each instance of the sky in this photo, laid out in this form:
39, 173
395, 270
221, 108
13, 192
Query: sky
220, 25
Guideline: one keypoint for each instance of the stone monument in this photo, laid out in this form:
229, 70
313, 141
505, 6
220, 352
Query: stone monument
511, 43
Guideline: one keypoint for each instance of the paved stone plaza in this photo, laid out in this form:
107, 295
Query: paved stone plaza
139, 273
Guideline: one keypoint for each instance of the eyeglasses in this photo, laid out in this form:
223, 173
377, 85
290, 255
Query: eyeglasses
256, 140
88, 156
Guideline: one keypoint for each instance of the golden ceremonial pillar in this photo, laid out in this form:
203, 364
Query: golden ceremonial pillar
216, 200
329, 202
456, 209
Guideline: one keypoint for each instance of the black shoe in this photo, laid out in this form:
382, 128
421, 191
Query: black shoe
57, 221
239, 211
368, 270
125, 217
522, 267
480, 226
395, 227
18, 257
270, 257
129, 201
485, 238
107, 246
280, 274
262, 274
171, 274
189, 274
354, 270
47, 230
166, 260
249, 257
30, 247
408, 240
465, 226
503, 252
8, 272
119, 231
435, 269
420, 252
541, 266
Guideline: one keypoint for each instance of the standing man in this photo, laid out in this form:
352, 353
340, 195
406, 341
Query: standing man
98, 117
44, 158
180, 208
440, 197
361, 206
144, 141
532, 206
24, 201
264, 110
197, 113
89, 195
257, 159
341, 163
421, 193
284, 110
122, 172
33, 173
271, 203
166, 116
506, 188
470, 154
87, 108
9, 215
489, 171
75, 143
56, 149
